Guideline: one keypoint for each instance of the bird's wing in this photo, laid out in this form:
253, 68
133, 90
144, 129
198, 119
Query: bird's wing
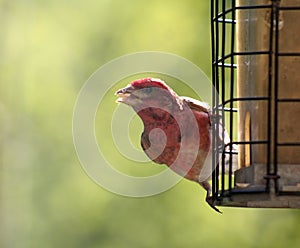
223, 136
204, 107
195, 104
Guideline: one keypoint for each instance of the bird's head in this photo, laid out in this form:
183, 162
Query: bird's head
148, 92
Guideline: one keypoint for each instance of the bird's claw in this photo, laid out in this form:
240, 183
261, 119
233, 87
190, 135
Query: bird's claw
209, 200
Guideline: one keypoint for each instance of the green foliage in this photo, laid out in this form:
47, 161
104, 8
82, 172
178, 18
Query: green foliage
48, 50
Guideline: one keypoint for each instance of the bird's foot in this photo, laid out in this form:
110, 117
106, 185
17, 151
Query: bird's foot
209, 200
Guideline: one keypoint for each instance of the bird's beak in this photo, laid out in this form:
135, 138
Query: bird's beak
124, 93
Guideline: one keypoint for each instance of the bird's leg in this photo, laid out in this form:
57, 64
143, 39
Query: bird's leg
208, 198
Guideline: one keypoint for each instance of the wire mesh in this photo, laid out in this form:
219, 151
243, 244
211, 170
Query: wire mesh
226, 60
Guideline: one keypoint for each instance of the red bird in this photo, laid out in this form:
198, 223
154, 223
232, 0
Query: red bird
177, 130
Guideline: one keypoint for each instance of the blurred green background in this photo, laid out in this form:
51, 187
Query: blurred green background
48, 50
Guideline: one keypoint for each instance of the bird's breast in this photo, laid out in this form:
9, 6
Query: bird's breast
184, 151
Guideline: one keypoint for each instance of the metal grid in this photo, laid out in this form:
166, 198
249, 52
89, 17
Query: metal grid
224, 66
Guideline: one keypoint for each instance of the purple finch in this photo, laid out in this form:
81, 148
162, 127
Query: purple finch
177, 130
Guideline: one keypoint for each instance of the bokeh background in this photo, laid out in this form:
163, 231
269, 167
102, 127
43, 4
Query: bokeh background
48, 50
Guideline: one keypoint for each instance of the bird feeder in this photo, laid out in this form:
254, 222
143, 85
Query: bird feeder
256, 73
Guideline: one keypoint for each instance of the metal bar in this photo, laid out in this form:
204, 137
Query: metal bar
256, 190
252, 53
288, 143
257, 98
227, 56
232, 85
288, 54
289, 193
289, 8
214, 96
265, 6
213, 91
287, 100
276, 83
252, 142
269, 115
223, 93
223, 44
216, 47
217, 39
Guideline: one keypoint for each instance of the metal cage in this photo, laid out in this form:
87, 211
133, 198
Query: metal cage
256, 74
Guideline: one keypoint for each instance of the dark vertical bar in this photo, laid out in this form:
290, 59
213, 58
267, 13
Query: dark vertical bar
217, 40
223, 82
232, 70
223, 49
213, 57
276, 72
270, 88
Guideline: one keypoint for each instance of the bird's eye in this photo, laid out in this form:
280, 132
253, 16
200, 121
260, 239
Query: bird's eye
147, 90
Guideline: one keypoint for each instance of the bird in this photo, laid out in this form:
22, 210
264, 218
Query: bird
177, 129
